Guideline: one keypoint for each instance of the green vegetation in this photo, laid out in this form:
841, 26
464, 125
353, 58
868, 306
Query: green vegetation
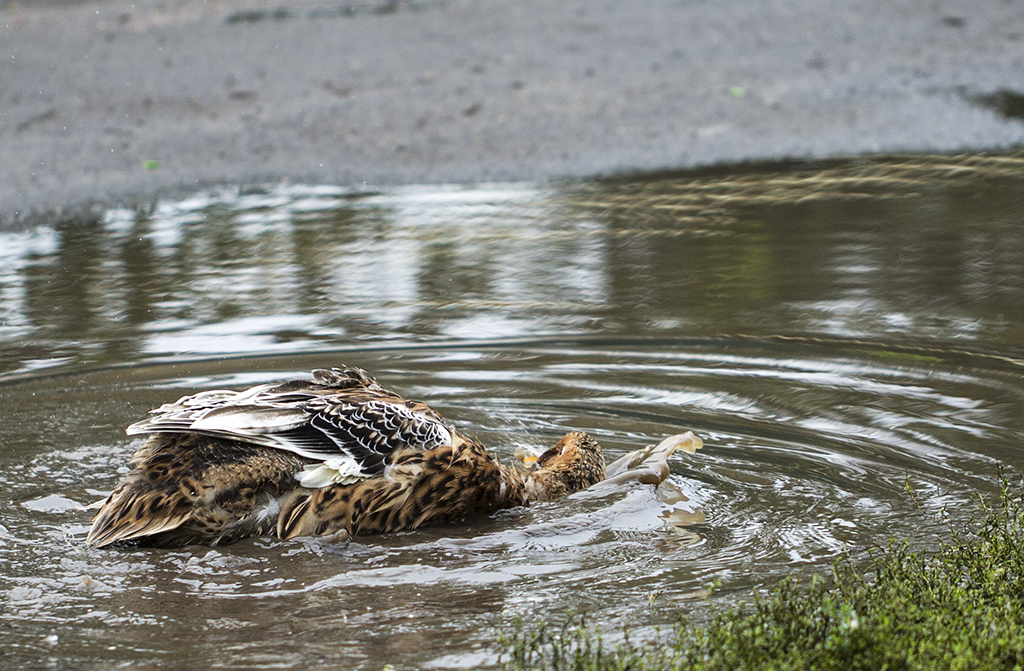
961, 607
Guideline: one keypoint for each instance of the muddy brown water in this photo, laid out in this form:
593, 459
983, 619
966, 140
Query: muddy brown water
834, 332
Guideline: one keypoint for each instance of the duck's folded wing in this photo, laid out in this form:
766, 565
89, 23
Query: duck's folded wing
381, 427
360, 432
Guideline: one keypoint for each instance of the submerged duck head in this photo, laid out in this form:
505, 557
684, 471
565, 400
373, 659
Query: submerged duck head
574, 463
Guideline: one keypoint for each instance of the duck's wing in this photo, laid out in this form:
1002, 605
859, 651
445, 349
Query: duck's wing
363, 434
352, 430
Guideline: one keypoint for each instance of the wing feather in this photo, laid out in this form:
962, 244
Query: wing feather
340, 414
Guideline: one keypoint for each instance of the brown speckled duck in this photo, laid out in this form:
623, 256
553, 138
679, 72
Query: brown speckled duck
335, 455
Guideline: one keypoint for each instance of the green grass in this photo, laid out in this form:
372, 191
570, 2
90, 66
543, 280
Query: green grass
960, 607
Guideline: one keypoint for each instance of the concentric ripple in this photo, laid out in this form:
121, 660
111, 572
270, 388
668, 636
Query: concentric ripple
806, 457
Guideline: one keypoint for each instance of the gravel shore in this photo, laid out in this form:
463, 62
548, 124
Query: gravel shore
119, 102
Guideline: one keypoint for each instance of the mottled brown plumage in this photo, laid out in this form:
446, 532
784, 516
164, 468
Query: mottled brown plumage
574, 463
338, 454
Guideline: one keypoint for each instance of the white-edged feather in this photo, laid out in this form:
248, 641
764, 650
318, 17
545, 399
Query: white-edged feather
340, 471
312, 421
250, 419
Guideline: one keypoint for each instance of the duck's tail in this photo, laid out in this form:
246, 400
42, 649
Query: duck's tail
189, 488
135, 510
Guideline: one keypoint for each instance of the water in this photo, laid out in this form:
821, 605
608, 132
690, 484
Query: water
834, 332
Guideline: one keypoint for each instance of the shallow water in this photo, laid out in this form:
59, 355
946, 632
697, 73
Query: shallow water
834, 332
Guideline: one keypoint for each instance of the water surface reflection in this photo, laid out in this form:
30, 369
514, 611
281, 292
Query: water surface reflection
833, 332
916, 248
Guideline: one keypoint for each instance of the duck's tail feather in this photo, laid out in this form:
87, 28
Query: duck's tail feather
133, 512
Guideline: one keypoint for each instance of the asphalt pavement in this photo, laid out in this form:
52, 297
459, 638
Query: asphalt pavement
117, 103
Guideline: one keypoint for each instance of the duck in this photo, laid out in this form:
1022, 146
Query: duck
335, 455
